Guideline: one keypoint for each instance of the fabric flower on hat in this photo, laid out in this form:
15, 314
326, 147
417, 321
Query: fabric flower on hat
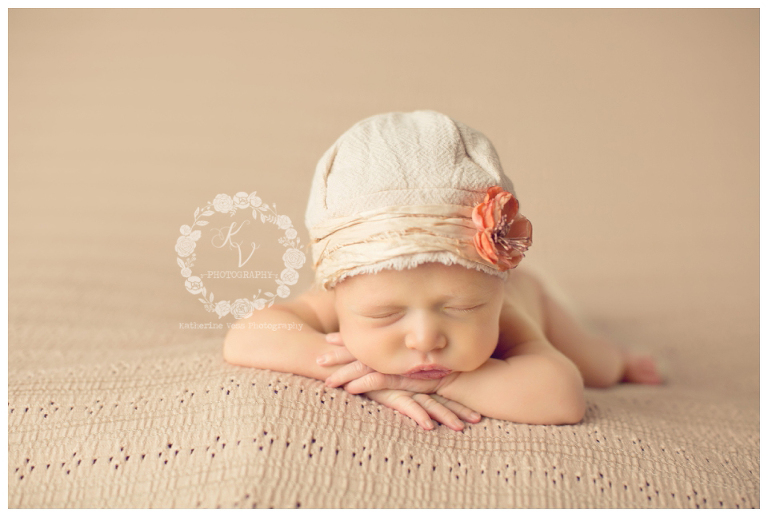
503, 235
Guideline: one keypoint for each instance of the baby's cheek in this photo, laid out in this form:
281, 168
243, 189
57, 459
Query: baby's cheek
480, 345
364, 345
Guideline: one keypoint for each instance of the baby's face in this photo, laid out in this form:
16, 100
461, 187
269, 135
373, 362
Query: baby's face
435, 316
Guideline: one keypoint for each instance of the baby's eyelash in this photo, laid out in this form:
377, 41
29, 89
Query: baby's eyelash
389, 315
377, 317
465, 310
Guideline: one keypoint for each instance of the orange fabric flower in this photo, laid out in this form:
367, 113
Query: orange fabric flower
503, 235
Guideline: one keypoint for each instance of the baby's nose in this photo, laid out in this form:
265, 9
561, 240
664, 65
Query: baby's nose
424, 334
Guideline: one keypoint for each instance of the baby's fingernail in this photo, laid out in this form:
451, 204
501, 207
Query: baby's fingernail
428, 426
322, 359
474, 416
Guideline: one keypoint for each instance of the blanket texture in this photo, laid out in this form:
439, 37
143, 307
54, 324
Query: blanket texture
109, 407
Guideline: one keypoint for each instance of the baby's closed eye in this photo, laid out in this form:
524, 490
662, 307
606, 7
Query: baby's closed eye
383, 315
392, 313
465, 309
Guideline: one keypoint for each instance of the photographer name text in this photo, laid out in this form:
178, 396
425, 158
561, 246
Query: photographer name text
250, 325
238, 274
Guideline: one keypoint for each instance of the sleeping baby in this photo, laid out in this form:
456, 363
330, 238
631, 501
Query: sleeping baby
418, 301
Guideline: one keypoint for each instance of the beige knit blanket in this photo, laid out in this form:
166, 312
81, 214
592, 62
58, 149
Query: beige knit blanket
110, 407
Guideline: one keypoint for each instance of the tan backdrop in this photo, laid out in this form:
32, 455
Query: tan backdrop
632, 137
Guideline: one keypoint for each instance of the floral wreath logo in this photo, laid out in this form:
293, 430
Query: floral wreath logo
293, 258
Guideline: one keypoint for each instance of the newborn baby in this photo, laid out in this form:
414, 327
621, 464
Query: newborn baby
418, 302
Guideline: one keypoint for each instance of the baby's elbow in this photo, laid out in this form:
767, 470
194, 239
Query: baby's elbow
567, 393
226, 348
231, 349
572, 411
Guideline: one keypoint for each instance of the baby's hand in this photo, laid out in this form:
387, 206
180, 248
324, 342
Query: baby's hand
409, 401
352, 368
420, 407
358, 378
339, 356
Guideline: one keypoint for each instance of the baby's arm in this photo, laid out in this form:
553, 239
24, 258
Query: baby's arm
282, 350
536, 386
533, 383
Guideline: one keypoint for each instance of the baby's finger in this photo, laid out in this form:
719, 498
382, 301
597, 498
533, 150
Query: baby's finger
381, 381
371, 382
348, 373
412, 409
339, 355
438, 411
460, 410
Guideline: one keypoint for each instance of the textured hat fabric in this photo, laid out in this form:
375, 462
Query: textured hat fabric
394, 160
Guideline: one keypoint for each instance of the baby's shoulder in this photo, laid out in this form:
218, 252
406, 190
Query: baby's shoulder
524, 290
316, 307
522, 313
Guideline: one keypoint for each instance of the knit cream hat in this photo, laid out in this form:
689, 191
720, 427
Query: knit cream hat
401, 189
